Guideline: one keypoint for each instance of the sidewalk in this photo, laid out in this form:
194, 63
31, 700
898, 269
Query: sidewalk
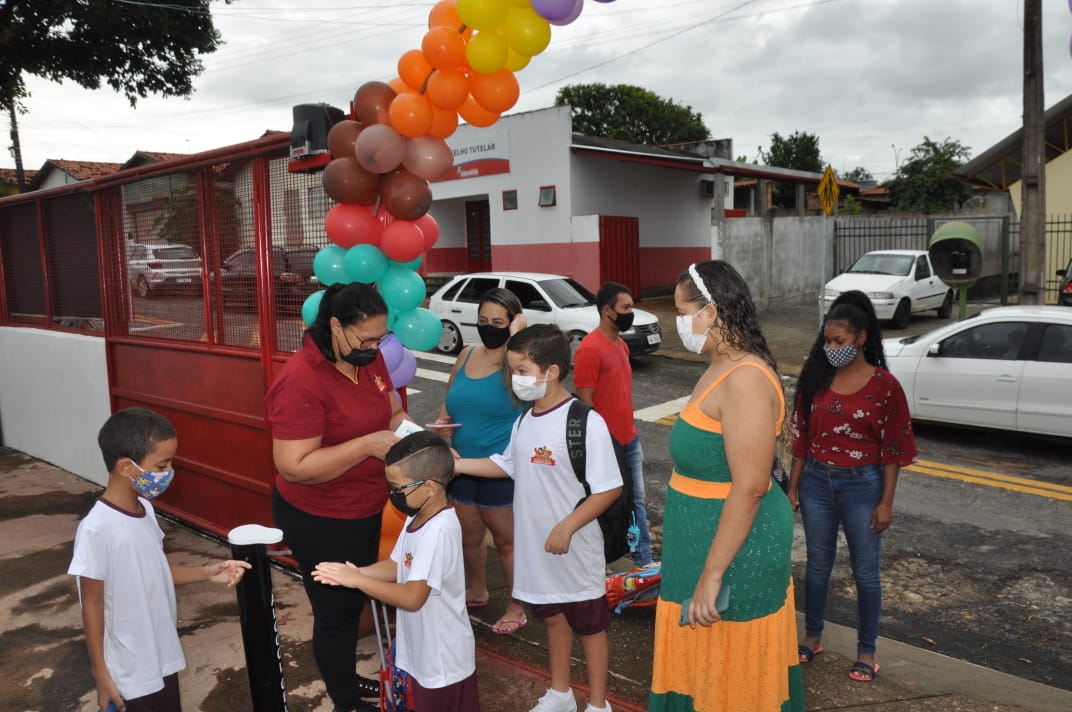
42, 651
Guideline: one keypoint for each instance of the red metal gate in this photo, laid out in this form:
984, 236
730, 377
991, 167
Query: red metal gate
619, 251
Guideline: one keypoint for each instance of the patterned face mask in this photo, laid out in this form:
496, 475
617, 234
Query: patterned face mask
839, 356
150, 483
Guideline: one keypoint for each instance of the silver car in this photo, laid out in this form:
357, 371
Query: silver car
154, 268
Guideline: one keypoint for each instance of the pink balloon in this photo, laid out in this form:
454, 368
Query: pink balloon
379, 148
552, 10
348, 224
573, 15
429, 228
428, 157
402, 241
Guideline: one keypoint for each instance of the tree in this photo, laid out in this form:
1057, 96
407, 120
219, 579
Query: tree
924, 183
800, 151
631, 114
859, 174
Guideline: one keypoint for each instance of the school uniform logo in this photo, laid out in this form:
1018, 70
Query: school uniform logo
407, 560
542, 456
380, 384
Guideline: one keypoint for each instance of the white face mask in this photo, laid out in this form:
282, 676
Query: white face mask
692, 342
529, 388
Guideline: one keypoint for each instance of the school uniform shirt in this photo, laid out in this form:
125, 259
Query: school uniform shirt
435, 643
546, 491
126, 552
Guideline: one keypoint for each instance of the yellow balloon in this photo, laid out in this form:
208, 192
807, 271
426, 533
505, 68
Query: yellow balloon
486, 52
521, 3
483, 14
516, 62
526, 32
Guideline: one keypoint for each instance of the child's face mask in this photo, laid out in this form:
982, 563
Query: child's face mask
149, 483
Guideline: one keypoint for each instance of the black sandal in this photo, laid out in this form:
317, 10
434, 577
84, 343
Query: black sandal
368, 688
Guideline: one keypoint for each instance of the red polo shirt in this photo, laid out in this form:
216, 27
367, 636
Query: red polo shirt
604, 365
311, 398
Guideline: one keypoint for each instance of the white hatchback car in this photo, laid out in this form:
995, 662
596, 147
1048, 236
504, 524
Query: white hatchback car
1007, 367
900, 283
545, 299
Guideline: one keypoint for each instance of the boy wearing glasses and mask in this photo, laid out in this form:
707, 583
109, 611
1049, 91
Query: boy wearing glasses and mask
125, 583
423, 578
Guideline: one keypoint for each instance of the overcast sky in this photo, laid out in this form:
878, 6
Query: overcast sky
870, 78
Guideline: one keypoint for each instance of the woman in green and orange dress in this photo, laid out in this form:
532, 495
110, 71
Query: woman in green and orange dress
724, 524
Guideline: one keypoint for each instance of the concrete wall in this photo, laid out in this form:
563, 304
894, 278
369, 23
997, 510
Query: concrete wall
54, 397
781, 259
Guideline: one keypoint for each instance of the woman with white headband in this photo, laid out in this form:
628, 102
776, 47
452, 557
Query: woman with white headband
725, 626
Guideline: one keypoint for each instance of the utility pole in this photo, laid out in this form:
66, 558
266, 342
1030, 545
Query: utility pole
1033, 185
16, 151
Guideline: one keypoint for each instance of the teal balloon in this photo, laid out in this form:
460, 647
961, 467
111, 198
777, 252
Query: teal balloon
328, 265
402, 288
416, 264
311, 307
365, 263
418, 329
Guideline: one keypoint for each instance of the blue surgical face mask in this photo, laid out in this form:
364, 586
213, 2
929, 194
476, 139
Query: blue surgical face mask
149, 483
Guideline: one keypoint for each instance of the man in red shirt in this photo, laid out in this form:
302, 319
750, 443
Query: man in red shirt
604, 380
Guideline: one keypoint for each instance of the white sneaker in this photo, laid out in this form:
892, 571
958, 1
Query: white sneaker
555, 701
590, 708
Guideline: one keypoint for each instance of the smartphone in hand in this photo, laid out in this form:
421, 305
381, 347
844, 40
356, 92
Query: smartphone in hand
722, 602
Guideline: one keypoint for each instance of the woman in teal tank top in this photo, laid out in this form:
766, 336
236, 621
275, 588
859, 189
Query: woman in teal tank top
481, 407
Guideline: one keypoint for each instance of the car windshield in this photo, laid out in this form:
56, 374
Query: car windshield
566, 293
179, 252
879, 263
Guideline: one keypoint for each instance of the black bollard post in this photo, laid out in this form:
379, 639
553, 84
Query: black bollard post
256, 610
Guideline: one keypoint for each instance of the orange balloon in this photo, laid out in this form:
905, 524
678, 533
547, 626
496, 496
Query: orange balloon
390, 527
496, 92
414, 68
371, 101
476, 115
447, 88
411, 115
341, 138
443, 47
400, 86
444, 122
445, 14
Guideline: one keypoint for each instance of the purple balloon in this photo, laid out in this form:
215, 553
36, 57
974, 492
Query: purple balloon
552, 10
406, 370
573, 15
392, 349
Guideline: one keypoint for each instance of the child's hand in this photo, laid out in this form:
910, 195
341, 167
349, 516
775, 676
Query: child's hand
558, 540
333, 573
228, 572
108, 694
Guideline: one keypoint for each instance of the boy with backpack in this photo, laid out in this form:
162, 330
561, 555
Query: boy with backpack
558, 544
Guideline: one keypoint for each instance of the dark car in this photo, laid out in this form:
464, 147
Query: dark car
1064, 291
292, 277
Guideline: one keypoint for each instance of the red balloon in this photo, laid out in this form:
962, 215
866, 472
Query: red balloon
405, 195
341, 138
428, 157
345, 181
429, 228
371, 101
402, 241
379, 148
347, 225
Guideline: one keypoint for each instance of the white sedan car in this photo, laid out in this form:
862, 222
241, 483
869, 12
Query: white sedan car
900, 283
545, 299
1007, 367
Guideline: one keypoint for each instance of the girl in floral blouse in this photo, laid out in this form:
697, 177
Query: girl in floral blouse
852, 433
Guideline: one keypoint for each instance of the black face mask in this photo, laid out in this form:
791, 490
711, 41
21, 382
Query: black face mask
624, 322
398, 499
493, 336
360, 357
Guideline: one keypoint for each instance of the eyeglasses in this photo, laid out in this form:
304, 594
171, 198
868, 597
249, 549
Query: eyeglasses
403, 488
363, 343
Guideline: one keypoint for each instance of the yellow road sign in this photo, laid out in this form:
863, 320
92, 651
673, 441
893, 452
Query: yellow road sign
828, 191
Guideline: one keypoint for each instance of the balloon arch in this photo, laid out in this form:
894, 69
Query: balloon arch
392, 144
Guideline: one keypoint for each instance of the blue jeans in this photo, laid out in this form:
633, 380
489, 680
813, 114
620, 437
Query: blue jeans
846, 496
634, 457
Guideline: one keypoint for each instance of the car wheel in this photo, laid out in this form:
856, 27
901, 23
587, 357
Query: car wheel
903, 314
142, 288
575, 339
946, 310
450, 341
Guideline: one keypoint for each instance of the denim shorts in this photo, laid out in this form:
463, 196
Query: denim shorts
483, 492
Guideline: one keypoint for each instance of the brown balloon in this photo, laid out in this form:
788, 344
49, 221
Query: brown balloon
345, 181
405, 195
371, 101
341, 138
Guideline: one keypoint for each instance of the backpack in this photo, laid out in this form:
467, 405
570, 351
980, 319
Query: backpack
396, 686
639, 588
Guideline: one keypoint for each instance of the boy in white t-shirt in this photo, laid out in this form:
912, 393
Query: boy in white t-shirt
125, 583
424, 578
558, 546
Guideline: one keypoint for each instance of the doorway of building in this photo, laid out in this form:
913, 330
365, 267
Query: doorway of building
478, 235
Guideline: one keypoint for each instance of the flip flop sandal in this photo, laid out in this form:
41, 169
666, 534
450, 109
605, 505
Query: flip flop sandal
805, 653
476, 603
509, 626
862, 672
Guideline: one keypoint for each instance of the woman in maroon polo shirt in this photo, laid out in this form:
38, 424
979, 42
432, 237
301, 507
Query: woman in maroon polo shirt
333, 411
